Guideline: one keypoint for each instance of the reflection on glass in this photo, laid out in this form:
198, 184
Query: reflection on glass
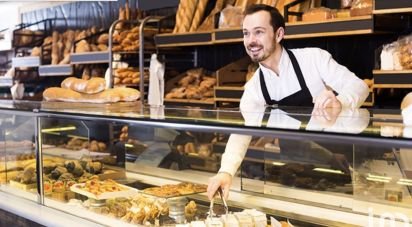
18, 163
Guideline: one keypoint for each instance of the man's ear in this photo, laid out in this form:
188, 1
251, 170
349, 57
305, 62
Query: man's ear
280, 33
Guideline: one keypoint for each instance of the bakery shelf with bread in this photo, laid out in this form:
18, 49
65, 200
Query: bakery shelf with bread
90, 91
193, 86
27, 36
316, 21
129, 76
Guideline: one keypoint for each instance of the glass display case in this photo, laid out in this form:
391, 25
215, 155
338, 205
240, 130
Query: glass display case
101, 162
17, 151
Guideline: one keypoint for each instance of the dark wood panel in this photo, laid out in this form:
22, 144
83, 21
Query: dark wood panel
392, 4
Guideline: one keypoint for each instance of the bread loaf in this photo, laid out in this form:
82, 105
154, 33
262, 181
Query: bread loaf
184, 15
407, 101
200, 10
92, 86
107, 96
55, 48
61, 94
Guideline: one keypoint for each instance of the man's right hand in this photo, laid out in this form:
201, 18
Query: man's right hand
223, 180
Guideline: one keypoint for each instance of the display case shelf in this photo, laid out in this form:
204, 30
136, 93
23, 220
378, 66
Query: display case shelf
55, 70
90, 57
25, 62
392, 78
6, 81
393, 6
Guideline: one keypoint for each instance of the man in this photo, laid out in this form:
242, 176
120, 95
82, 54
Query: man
299, 77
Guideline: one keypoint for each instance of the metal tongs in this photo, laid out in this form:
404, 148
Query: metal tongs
211, 212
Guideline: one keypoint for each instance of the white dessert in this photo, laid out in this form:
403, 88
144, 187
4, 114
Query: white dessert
229, 220
259, 218
197, 224
214, 222
245, 220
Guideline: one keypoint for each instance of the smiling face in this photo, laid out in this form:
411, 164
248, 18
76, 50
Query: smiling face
259, 36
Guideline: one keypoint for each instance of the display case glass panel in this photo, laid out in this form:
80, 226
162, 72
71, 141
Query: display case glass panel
18, 154
308, 156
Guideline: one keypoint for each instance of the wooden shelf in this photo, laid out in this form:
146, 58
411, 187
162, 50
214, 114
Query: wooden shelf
183, 39
228, 93
392, 72
392, 6
233, 35
392, 79
55, 70
332, 27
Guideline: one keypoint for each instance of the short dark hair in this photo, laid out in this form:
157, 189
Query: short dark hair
276, 19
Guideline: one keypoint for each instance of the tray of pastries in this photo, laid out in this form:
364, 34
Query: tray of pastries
107, 189
175, 190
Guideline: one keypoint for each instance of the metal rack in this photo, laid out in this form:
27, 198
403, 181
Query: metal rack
141, 51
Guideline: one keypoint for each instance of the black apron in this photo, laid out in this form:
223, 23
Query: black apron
293, 149
300, 98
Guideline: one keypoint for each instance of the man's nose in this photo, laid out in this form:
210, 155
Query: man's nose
251, 38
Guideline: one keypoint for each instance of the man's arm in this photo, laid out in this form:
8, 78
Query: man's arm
352, 91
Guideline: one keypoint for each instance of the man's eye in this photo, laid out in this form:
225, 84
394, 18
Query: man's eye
245, 33
259, 32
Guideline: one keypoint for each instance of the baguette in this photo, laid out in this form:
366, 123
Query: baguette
200, 10
92, 86
107, 96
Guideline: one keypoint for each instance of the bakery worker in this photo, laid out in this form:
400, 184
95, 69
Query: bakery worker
298, 77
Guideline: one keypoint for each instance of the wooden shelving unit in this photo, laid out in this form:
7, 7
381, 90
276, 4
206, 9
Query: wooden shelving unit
392, 6
392, 79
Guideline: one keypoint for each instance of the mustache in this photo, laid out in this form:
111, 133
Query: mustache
252, 45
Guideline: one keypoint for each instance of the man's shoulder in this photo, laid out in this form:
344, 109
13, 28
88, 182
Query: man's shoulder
311, 53
308, 50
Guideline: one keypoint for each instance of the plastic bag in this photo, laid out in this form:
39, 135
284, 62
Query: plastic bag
231, 17
405, 52
17, 91
156, 82
345, 4
387, 59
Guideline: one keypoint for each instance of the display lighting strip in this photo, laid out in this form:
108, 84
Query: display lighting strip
328, 170
69, 128
278, 163
405, 182
377, 178
129, 145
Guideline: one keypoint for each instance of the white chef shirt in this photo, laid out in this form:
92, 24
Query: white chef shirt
318, 69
